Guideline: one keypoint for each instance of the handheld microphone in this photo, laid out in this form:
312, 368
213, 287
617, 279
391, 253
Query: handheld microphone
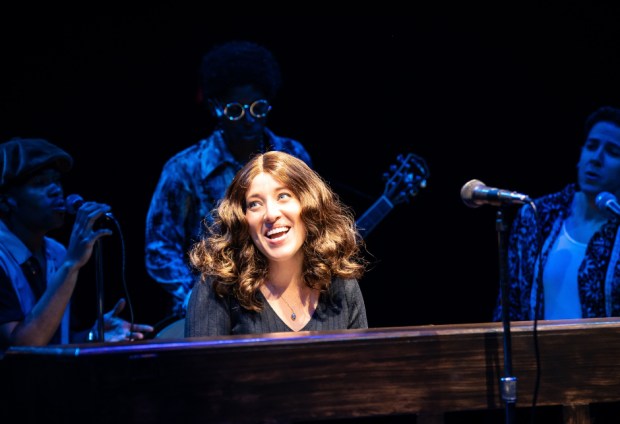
475, 194
606, 201
73, 202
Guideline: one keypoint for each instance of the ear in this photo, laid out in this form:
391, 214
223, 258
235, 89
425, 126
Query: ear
7, 203
213, 108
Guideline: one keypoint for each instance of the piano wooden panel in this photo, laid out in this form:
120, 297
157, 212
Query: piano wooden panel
424, 370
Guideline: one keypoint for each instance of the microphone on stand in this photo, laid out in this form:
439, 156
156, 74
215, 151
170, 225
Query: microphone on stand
475, 194
607, 202
73, 202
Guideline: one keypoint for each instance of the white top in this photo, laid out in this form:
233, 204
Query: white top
560, 278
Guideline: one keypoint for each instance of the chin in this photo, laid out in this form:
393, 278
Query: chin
589, 188
57, 221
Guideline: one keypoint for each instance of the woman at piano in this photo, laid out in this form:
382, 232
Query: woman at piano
282, 254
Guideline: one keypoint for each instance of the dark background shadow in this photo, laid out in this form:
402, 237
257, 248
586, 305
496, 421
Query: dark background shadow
498, 95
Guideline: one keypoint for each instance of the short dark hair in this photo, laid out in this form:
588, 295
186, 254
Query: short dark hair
237, 63
603, 114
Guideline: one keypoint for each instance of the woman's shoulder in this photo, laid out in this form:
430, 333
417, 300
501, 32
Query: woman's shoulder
557, 200
204, 296
203, 289
345, 286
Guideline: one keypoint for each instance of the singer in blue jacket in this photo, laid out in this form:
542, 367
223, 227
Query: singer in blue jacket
38, 274
567, 254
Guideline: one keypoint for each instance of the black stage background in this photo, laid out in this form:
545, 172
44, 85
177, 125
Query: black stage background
495, 94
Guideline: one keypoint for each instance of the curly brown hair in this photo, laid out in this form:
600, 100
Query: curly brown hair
227, 257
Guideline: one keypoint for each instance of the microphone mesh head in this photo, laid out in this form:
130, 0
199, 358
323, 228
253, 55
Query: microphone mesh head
467, 192
603, 198
73, 203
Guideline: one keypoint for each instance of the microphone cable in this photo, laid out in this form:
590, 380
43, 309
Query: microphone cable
111, 217
73, 203
537, 306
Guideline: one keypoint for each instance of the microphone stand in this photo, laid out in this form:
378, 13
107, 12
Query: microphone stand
508, 383
99, 285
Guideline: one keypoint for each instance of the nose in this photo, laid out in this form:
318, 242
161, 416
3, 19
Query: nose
55, 189
248, 117
599, 154
272, 211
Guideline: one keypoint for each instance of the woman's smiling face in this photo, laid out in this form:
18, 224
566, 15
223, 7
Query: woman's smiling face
273, 214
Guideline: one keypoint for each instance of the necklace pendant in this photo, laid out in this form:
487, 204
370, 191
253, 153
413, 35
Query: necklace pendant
293, 316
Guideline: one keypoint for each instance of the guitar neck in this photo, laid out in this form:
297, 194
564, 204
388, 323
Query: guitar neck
375, 214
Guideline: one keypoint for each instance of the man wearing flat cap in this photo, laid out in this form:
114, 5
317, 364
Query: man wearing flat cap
38, 274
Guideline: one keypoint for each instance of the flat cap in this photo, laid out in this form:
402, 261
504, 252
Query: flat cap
21, 157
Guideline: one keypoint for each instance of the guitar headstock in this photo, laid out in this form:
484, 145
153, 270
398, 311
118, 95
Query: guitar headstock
405, 178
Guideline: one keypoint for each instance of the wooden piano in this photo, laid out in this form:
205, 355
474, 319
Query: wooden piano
424, 371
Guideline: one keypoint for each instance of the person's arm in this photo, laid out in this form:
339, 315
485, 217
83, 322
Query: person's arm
166, 238
356, 306
40, 323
